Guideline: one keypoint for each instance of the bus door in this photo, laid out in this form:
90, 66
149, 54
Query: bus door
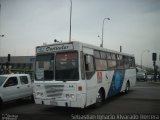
90, 78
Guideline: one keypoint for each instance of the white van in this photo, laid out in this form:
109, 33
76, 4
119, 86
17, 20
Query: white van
15, 86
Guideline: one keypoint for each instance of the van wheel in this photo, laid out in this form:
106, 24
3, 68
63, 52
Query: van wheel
127, 87
1, 102
32, 99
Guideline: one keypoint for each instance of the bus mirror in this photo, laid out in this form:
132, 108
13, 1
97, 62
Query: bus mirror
88, 59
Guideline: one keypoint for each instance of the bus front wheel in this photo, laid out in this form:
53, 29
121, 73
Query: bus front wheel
99, 99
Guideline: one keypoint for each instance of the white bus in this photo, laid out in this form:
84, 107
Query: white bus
76, 74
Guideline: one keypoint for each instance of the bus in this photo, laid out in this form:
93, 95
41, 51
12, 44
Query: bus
77, 74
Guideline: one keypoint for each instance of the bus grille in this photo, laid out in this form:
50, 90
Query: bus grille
54, 90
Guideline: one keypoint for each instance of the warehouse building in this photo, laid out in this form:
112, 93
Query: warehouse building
17, 64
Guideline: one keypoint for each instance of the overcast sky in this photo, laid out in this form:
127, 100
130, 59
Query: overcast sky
134, 24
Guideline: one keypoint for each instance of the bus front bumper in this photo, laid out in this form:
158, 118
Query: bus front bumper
79, 102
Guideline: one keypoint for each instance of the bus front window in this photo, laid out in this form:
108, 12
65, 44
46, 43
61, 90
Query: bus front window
45, 67
66, 66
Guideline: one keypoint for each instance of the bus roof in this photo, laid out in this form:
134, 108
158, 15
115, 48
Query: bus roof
89, 46
106, 50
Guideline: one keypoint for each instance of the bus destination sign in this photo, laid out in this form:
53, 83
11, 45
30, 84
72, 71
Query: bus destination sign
54, 48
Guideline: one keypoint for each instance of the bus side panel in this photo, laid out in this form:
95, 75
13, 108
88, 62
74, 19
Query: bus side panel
91, 90
101, 79
113, 82
109, 77
119, 80
116, 82
130, 75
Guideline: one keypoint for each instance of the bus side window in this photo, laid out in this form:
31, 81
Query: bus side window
86, 65
126, 62
89, 66
82, 66
131, 62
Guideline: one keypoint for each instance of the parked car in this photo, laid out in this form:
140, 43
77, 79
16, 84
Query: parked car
150, 77
15, 86
141, 76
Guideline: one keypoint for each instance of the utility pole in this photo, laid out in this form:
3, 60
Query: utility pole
70, 21
120, 48
154, 58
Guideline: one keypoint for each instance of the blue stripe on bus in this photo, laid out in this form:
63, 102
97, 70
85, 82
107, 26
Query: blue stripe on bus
117, 82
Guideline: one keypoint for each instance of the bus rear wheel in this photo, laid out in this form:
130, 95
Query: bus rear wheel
127, 87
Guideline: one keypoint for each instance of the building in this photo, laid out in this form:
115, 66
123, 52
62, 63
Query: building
17, 64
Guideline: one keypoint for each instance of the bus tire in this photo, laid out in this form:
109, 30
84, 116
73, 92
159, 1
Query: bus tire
127, 87
100, 98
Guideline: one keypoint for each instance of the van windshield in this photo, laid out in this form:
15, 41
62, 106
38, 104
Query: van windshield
2, 79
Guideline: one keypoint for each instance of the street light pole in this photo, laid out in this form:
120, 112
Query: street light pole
70, 21
0, 43
103, 29
0, 30
142, 55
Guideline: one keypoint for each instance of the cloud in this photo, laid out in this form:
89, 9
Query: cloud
134, 24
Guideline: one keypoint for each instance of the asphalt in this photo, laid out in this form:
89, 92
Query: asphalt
143, 99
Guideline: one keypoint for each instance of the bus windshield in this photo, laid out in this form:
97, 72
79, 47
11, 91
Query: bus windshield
66, 68
45, 67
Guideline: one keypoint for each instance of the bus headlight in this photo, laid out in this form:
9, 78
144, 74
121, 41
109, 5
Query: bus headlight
70, 96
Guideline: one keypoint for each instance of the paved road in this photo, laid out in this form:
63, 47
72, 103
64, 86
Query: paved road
144, 98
